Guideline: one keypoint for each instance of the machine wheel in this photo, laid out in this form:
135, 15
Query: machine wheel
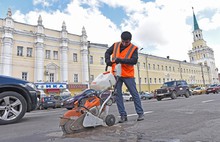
110, 120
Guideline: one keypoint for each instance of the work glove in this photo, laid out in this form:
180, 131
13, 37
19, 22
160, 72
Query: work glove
108, 63
118, 60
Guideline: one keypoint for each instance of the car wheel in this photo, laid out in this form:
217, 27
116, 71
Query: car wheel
159, 98
173, 95
144, 98
13, 107
130, 99
41, 107
187, 94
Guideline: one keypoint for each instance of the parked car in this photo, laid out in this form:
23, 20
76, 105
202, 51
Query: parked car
16, 98
199, 91
127, 96
69, 103
59, 99
47, 102
173, 89
146, 95
214, 88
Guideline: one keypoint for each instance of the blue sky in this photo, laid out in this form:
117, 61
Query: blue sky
162, 27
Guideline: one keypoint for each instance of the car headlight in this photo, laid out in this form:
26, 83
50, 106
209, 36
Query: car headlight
32, 85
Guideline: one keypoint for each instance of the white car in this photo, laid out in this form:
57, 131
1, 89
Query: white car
127, 97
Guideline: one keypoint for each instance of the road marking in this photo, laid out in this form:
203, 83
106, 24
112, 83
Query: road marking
207, 101
136, 114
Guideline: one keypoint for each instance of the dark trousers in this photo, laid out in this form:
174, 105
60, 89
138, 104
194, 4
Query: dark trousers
131, 85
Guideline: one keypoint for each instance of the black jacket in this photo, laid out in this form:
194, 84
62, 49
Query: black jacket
132, 61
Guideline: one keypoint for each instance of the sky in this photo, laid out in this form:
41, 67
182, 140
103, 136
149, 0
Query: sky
161, 27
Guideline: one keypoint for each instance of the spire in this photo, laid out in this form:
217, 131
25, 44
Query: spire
9, 13
83, 31
64, 26
196, 26
39, 21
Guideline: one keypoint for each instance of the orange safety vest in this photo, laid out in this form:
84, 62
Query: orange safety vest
126, 69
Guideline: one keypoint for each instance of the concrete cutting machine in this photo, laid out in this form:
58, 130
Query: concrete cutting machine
92, 109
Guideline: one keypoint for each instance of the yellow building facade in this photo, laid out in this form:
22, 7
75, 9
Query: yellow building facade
57, 60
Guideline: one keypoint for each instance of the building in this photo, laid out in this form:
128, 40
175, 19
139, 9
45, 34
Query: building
58, 61
202, 54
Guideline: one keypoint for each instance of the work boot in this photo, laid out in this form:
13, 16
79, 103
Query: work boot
123, 119
140, 117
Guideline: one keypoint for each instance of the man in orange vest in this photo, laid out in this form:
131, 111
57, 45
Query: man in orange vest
125, 54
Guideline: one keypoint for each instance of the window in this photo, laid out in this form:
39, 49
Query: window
150, 80
162, 67
158, 67
75, 78
24, 75
153, 66
145, 80
47, 54
166, 68
149, 66
55, 55
91, 59
91, 77
51, 77
155, 80
74, 57
144, 65
102, 60
159, 80
20, 51
29, 52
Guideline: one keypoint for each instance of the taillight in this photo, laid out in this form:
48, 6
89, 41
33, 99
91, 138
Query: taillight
42, 100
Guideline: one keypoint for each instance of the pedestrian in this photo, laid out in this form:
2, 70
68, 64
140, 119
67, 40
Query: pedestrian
126, 54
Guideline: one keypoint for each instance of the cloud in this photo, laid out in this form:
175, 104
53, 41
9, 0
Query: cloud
162, 28
44, 3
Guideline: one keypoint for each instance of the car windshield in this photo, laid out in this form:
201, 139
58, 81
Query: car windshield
213, 85
198, 88
65, 96
169, 84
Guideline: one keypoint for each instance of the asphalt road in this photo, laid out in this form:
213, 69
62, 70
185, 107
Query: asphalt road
194, 119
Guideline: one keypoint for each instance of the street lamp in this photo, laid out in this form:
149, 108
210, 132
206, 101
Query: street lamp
139, 79
88, 45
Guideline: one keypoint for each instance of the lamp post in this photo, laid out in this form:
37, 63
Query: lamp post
148, 83
138, 69
88, 64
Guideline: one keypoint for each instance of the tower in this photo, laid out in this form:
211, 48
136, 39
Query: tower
201, 53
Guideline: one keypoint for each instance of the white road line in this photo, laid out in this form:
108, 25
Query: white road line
136, 114
207, 101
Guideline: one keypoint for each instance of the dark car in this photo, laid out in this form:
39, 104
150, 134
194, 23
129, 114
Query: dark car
47, 102
173, 89
69, 103
59, 99
214, 88
16, 98
146, 95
